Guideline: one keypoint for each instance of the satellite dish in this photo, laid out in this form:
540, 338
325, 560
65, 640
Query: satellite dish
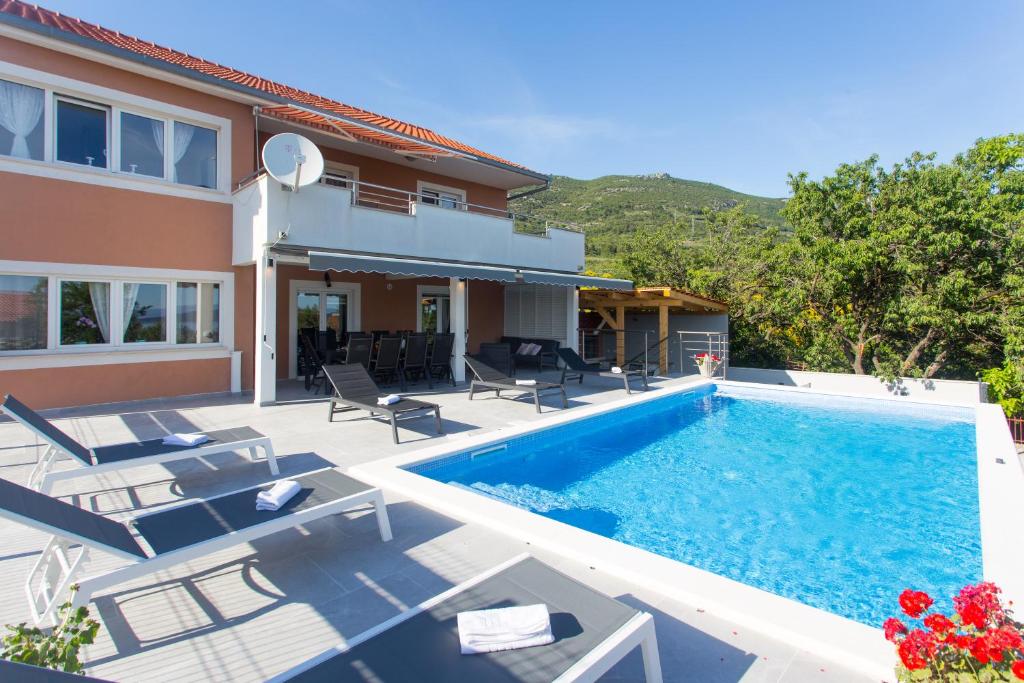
293, 160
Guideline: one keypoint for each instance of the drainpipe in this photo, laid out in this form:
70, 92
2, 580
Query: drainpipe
545, 186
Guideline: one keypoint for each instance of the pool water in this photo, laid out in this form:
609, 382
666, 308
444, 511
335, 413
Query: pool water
837, 503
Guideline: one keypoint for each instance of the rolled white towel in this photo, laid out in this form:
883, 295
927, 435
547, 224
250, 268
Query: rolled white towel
526, 382
185, 439
507, 628
388, 400
617, 370
279, 494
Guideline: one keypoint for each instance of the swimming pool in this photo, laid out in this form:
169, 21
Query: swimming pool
836, 503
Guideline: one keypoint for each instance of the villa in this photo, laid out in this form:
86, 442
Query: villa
176, 320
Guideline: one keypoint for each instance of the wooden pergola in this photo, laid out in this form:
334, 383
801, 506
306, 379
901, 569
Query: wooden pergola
612, 305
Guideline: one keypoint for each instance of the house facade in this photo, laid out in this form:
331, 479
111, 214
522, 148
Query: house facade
144, 251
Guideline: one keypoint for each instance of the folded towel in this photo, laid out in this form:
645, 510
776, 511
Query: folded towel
507, 628
526, 382
388, 400
279, 494
617, 370
185, 439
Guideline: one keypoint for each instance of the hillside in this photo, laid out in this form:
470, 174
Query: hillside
611, 208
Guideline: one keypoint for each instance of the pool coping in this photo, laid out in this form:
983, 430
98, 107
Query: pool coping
847, 642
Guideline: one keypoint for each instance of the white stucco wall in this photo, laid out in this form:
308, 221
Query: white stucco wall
937, 390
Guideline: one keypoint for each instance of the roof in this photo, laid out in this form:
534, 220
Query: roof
29, 16
651, 297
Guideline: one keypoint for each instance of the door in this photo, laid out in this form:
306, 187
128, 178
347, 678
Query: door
435, 314
319, 311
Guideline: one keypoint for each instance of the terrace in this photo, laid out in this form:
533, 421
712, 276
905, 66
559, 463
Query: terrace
253, 612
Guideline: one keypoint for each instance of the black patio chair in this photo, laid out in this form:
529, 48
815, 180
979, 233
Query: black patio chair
359, 350
440, 364
313, 366
385, 366
414, 361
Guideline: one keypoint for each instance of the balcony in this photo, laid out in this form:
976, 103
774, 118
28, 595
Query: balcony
363, 217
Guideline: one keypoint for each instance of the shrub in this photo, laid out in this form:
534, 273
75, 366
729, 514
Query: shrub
1006, 387
55, 648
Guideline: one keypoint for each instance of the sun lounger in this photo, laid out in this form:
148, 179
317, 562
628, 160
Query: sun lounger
489, 379
172, 534
354, 389
16, 672
575, 368
592, 633
123, 456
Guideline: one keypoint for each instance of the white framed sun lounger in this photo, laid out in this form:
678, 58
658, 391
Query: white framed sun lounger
169, 535
102, 459
403, 648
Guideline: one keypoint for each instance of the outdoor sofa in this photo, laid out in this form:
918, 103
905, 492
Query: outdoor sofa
592, 633
486, 378
354, 389
547, 356
172, 534
575, 368
125, 455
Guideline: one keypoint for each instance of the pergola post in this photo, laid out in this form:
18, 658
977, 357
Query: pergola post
620, 335
662, 339
458, 303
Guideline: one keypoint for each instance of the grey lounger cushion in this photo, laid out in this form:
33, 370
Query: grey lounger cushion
143, 449
14, 672
425, 648
182, 526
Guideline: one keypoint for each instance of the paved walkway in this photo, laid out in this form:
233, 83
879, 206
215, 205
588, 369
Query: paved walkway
256, 610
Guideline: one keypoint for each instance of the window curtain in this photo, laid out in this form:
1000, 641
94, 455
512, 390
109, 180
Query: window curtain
99, 292
131, 294
21, 107
182, 139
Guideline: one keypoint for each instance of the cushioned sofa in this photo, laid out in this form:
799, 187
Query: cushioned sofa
546, 357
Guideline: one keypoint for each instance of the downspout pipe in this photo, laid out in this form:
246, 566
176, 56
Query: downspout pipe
545, 186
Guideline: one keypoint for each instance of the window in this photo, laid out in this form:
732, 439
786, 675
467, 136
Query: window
145, 312
23, 312
21, 121
443, 198
198, 313
84, 312
336, 178
82, 132
142, 145
195, 155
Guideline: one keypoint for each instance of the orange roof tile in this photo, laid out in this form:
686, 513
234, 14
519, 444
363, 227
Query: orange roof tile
76, 27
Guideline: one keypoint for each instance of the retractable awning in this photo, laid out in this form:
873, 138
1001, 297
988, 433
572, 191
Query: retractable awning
359, 263
353, 263
544, 278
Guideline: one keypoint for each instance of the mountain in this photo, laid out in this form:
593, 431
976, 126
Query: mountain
611, 208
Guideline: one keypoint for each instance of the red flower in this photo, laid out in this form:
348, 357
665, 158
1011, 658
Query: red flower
1018, 669
979, 650
892, 627
916, 649
939, 623
915, 603
974, 615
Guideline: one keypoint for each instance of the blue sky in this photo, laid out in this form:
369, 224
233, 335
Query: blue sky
737, 93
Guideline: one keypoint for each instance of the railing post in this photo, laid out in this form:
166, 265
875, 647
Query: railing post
646, 349
680, 353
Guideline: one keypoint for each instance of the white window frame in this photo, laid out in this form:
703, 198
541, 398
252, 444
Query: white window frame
56, 353
57, 87
168, 319
113, 316
108, 112
173, 338
423, 186
335, 168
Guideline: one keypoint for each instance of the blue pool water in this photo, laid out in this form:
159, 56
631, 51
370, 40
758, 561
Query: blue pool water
837, 503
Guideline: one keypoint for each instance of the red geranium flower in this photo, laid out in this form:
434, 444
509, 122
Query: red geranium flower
915, 649
914, 603
892, 627
974, 615
939, 623
977, 605
1018, 669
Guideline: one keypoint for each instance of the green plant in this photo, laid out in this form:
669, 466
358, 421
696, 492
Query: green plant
1006, 387
55, 648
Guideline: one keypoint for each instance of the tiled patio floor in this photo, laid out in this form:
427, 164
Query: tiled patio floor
254, 611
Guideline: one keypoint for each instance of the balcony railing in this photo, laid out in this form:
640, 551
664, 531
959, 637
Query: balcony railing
385, 198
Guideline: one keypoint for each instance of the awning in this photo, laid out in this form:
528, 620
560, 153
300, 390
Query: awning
358, 263
319, 260
543, 278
